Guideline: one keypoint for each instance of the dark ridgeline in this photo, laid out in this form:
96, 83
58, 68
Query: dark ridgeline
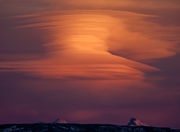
60, 127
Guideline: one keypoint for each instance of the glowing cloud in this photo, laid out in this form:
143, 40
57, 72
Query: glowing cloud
95, 45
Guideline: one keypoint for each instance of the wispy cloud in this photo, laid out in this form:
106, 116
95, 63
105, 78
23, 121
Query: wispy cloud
97, 44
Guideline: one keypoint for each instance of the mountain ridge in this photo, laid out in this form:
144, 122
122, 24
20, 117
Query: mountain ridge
74, 127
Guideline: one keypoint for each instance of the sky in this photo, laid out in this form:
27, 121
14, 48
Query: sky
93, 61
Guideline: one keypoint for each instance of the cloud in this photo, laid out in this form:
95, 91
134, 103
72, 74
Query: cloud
97, 45
125, 4
34, 6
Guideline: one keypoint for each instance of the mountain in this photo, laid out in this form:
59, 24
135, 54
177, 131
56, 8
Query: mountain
61, 127
135, 122
60, 121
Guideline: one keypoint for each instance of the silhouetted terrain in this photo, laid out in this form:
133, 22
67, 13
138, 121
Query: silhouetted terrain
59, 127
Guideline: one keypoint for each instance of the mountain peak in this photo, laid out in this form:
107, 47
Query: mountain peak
135, 122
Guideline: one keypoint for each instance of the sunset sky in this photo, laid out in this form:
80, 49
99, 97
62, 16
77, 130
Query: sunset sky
90, 61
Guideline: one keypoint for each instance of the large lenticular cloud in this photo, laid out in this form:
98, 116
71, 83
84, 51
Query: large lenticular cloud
96, 45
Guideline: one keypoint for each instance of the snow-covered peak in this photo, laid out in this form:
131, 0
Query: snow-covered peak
135, 122
63, 121
60, 121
